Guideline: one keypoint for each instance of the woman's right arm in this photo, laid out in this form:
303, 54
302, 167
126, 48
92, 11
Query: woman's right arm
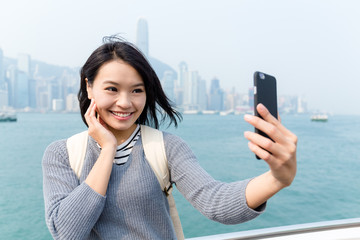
98, 178
72, 209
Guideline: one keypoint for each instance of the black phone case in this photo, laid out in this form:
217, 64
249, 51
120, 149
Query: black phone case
265, 93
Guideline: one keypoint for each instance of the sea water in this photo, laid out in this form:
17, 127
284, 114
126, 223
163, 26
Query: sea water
326, 187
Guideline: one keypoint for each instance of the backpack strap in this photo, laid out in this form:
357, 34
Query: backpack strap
154, 148
76, 146
153, 143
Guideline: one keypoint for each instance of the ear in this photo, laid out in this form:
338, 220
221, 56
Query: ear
88, 89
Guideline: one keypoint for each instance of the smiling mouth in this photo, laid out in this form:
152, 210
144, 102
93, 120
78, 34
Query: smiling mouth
122, 115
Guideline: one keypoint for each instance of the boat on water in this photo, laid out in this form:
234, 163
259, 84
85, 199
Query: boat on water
319, 118
225, 113
192, 112
8, 117
209, 112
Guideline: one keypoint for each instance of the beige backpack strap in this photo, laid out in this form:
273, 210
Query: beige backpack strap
153, 143
76, 146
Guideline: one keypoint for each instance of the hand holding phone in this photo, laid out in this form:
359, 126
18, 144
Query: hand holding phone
265, 93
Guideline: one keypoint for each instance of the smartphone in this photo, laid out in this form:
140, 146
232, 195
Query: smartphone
265, 93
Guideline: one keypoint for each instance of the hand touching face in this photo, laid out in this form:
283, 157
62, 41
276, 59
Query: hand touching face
120, 96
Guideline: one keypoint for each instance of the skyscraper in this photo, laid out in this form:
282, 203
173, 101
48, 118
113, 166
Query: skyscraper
202, 96
3, 87
182, 74
168, 84
180, 86
12, 76
23, 63
216, 96
21, 86
22, 90
142, 36
2, 70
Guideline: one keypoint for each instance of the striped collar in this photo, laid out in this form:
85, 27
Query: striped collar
123, 150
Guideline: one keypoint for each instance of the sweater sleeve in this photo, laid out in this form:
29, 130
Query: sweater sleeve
219, 201
71, 209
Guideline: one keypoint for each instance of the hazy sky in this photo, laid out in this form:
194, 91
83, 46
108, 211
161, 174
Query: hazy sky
312, 47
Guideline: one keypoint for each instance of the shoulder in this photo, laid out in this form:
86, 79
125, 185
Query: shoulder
169, 137
173, 141
175, 146
55, 151
55, 146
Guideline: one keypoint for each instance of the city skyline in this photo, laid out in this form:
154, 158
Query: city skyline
314, 57
29, 89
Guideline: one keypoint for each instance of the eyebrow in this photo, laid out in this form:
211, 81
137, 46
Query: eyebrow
117, 84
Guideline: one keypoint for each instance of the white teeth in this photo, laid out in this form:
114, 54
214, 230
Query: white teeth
121, 114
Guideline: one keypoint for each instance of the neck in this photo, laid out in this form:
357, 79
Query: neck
122, 135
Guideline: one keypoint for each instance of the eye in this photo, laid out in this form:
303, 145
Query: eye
111, 89
138, 90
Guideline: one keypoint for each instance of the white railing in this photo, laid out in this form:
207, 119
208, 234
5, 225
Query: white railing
346, 229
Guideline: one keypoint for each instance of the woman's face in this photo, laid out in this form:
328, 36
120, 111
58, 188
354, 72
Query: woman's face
119, 93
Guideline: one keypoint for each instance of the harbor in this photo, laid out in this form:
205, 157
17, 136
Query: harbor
319, 195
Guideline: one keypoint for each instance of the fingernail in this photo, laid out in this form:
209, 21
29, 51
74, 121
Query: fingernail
247, 117
261, 106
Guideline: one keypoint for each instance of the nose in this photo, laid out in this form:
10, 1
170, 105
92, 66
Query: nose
123, 101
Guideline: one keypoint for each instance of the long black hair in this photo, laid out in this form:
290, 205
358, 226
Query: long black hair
156, 101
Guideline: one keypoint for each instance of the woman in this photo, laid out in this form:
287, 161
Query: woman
117, 195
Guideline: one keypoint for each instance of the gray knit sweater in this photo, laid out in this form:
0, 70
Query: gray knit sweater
134, 206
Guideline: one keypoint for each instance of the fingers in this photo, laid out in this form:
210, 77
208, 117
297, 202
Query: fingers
265, 146
280, 154
270, 125
270, 129
90, 115
264, 112
260, 152
284, 141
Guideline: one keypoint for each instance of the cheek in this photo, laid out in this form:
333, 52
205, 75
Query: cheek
141, 102
102, 100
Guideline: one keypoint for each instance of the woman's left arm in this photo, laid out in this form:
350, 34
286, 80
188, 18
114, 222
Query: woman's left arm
279, 154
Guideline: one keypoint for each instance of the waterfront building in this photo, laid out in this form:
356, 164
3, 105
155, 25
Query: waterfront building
4, 102
202, 95
43, 101
301, 105
183, 69
11, 75
251, 97
4, 98
191, 90
216, 101
232, 99
2, 71
168, 85
21, 90
72, 103
57, 105
32, 93
180, 83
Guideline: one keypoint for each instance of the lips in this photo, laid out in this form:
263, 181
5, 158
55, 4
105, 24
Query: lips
121, 114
